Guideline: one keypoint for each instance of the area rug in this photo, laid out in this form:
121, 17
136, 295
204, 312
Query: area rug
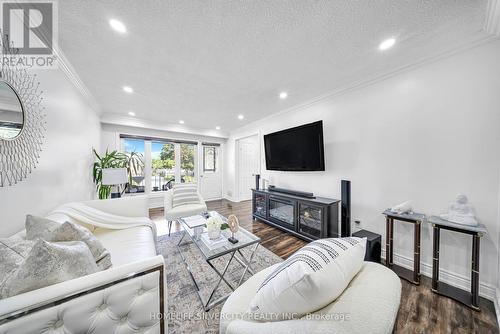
185, 312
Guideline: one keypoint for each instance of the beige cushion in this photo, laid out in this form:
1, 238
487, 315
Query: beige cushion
375, 287
127, 245
185, 193
185, 211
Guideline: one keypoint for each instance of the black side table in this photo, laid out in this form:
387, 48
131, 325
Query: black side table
412, 276
470, 299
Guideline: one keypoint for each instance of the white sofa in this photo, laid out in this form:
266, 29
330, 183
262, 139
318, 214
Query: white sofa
127, 298
181, 211
369, 304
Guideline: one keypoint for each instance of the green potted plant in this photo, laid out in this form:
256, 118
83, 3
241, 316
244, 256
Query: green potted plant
112, 159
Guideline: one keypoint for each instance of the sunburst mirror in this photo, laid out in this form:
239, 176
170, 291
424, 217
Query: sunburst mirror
22, 119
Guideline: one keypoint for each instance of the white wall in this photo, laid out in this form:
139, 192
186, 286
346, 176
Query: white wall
64, 170
425, 134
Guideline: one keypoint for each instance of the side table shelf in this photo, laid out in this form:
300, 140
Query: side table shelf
412, 276
470, 299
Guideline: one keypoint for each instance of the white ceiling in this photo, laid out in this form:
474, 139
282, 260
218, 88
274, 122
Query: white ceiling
207, 61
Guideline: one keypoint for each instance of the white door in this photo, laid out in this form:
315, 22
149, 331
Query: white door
210, 173
248, 165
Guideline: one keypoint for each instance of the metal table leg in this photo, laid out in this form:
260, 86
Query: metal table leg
435, 258
416, 256
387, 244
475, 271
208, 305
247, 266
243, 261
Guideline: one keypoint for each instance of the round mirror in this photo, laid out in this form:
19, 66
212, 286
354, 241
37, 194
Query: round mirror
11, 112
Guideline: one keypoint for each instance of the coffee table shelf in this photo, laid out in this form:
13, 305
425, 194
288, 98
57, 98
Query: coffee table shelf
245, 239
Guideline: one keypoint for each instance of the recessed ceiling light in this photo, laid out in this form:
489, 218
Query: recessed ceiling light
128, 89
387, 44
217, 128
241, 116
283, 95
131, 113
181, 122
118, 26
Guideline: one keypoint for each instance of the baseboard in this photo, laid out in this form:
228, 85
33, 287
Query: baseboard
230, 199
460, 281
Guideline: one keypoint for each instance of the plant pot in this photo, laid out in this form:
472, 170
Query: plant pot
214, 234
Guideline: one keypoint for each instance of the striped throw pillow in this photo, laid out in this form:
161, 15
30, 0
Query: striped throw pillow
310, 279
185, 193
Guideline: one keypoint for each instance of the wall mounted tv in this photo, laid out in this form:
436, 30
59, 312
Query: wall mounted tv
296, 149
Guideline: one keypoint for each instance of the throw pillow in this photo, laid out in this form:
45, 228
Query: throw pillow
38, 227
49, 263
185, 193
13, 251
310, 279
73, 232
48, 230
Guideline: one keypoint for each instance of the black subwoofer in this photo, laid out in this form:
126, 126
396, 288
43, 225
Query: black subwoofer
373, 244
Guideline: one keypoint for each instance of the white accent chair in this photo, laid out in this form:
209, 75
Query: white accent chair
369, 304
173, 213
123, 299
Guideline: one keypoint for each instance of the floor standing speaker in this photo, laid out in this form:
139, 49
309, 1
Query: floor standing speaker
345, 211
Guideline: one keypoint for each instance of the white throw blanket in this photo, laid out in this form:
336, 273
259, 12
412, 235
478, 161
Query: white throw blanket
91, 216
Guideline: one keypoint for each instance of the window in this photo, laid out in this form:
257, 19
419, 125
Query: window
166, 162
209, 158
134, 149
163, 166
188, 152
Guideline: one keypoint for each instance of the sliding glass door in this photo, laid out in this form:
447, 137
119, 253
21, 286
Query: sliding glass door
135, 150
163, 166
188, 154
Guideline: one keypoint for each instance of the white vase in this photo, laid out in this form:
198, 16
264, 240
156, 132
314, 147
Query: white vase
214, 234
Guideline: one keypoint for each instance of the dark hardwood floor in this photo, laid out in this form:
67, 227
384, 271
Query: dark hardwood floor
421, 311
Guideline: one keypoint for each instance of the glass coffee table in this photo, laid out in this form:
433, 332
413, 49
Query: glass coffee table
245, 239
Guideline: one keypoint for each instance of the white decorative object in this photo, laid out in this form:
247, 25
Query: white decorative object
213, 226
198, 230
461, 212
405, 207
234, 226
310, 279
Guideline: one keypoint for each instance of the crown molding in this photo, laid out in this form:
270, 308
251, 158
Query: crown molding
70, 72
492, 23
371, 80
134, 122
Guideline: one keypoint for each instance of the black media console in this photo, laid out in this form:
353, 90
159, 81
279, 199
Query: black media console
309, 218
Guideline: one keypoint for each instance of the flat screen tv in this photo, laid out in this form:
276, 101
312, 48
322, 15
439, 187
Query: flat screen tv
296, 149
